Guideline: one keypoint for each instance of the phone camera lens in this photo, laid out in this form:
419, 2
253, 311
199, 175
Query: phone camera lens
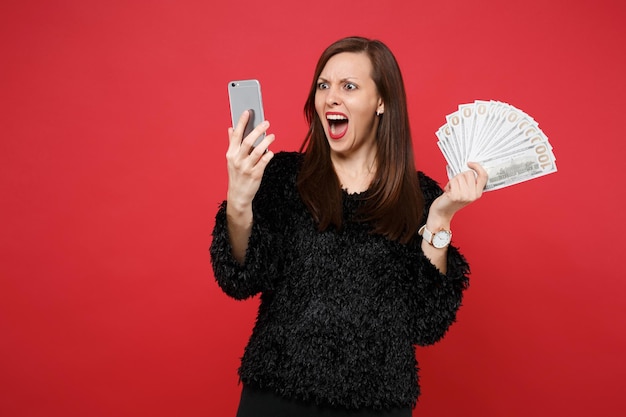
233, 84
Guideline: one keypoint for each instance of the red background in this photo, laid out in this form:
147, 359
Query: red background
113, 134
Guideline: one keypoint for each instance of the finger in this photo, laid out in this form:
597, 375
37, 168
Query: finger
230, 135
262, 148
462, 187
482, 175
462, 180
265, 159
478, 168
243, 121
236, 136
455, 188
232, 149
473, 183
259, 130
234, 143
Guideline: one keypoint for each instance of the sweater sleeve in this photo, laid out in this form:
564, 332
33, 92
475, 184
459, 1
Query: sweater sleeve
262, 260
436, 297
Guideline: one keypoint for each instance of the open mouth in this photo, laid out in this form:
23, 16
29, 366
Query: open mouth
337, 125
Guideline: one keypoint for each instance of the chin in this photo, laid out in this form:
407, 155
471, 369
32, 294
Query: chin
340, 147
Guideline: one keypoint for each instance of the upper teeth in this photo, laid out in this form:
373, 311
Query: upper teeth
336, 117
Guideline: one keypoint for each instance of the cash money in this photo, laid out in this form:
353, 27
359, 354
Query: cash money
507, 142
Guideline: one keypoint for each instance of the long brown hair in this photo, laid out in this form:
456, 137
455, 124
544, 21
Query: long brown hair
394, 202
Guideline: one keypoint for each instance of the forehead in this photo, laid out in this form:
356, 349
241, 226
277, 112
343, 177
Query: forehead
347, 65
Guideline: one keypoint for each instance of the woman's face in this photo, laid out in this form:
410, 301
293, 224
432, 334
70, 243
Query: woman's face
346, 101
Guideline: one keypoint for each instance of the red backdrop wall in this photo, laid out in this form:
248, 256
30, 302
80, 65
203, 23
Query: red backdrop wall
113, 132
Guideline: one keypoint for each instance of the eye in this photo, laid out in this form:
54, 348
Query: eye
322, 86
350, 86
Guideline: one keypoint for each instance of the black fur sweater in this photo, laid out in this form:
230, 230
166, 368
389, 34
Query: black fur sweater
340, 311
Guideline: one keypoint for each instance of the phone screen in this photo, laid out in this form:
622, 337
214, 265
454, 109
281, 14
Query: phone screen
246, 95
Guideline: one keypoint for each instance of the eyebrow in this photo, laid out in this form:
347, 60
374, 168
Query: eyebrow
343, 80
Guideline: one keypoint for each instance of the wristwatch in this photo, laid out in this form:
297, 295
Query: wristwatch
440, 239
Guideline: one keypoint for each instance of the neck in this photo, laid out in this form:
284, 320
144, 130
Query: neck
355, 176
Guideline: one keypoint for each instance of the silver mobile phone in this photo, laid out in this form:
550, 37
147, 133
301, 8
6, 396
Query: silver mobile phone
246, 95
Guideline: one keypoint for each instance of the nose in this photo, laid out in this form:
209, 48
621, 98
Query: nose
332, 96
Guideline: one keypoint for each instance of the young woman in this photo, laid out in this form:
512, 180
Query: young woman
347, 244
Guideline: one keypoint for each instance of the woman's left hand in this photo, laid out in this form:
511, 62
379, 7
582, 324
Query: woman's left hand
460, 191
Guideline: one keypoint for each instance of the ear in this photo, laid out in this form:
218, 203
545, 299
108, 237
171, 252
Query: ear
381, 107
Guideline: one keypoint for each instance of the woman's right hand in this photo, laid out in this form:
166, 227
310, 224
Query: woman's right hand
245, 163
245, 171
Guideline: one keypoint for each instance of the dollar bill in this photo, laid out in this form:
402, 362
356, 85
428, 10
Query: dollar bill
506, 141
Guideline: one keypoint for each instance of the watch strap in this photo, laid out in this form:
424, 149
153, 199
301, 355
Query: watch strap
426, 234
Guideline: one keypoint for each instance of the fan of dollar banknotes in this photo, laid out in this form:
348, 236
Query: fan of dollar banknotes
507, 142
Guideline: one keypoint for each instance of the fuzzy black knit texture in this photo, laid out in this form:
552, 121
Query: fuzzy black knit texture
341, 310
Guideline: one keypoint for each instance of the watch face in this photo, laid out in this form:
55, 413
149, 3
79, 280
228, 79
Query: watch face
442, 239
